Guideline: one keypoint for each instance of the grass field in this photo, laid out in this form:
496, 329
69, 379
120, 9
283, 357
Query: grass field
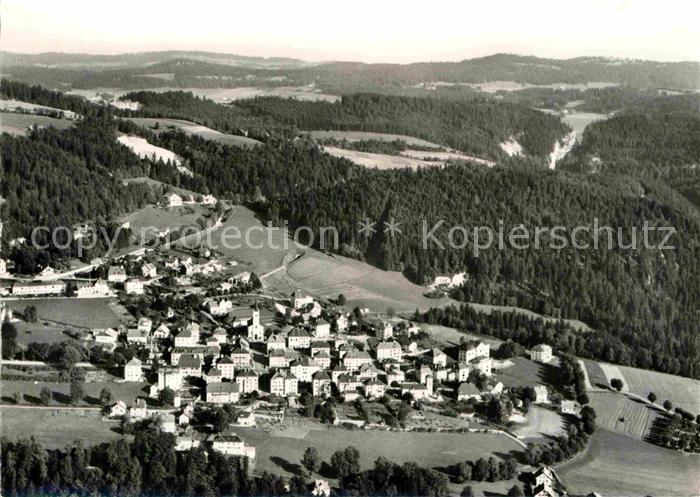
444, 156
620, 465
527, 373
82, 313
40, 333
541, 423
17, 124
683, 392
380, 161
56, 428
157, 218
353, 136
362, 284
126, 391
282, 451
195, 129
622, 414
146, 150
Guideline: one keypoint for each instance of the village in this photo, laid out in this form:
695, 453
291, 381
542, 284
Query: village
218, 355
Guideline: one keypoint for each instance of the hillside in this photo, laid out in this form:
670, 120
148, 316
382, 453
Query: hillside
202, 69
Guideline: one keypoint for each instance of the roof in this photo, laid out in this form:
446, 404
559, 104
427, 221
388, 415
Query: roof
322, 375
189, 361
247, 373
541, 347
388, 346
214, 372
225, 387
375, 382
298, 332
469, 344
134, 362
116, 270
317, 344
357, 354
225, 360
467, 389
304, 361
276, 339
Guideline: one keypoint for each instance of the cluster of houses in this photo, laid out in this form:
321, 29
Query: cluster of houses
172, 199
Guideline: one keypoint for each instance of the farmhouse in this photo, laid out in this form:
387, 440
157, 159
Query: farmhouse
188, 337
417, 390
322, 329
304, 369
137, 336
568, 407
138, 410
321, 384
374, 389
88, 290
354, 359
134, 287
247, 381
541, 394
470, 350
173, 200
467, 391
118, 409
223, 393
231, 445
298, 338
162, 332
209, 200
541, 353
132, 370
301, 300
220, 308
116, 274
170, 378
388, 350
283, 383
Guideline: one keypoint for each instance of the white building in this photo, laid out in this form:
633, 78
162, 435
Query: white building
354, 359
231, 445
38, 288
388, 350
134, 287
132, 370
385, 331
541, 353
98, 289
223, 393
472, 349
284, 383
170, 378
247, 381
173, 200
541, 394
116, 274
255, 331
301, 300
3, 268
209, 200
298, 338
149, 270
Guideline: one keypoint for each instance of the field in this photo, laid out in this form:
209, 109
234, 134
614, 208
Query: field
81, 313
17, 124
683, 392
353, 136
620, 465
380, 161
126, 391
195, 129
488, 309
362, 284
579, 120
40, 333
523, 373
444, 156
145, 150
624, 415
281, 450
541, 423
56, 428
152, 217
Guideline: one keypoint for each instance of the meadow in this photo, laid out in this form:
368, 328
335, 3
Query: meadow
353, 136
281, 451
126, 391
619, 465
191, 128
57, 428
624, 415
380, 161
18, 124
81, 313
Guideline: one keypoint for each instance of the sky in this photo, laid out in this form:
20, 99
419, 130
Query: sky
371, 31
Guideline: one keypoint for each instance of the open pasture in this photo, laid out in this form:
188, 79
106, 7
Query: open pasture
81, 313
541, 423
682, 392
620, 465
18, 124
282, 452
191, 128
126, 391
353, 136
152, 218
444, 156
362, 284
380, 161
57, 428
624, 415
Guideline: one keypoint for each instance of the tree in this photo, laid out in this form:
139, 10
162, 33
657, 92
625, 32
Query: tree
668, 405
342, 300
467, 492
30, 314
346, 462
463, 472
616, 383
391, 312
106, 397
17, 397
166, 396
651, 397
77, 391
311, 460
515, 491
45, 395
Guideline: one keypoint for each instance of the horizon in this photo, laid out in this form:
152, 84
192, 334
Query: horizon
370, 32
